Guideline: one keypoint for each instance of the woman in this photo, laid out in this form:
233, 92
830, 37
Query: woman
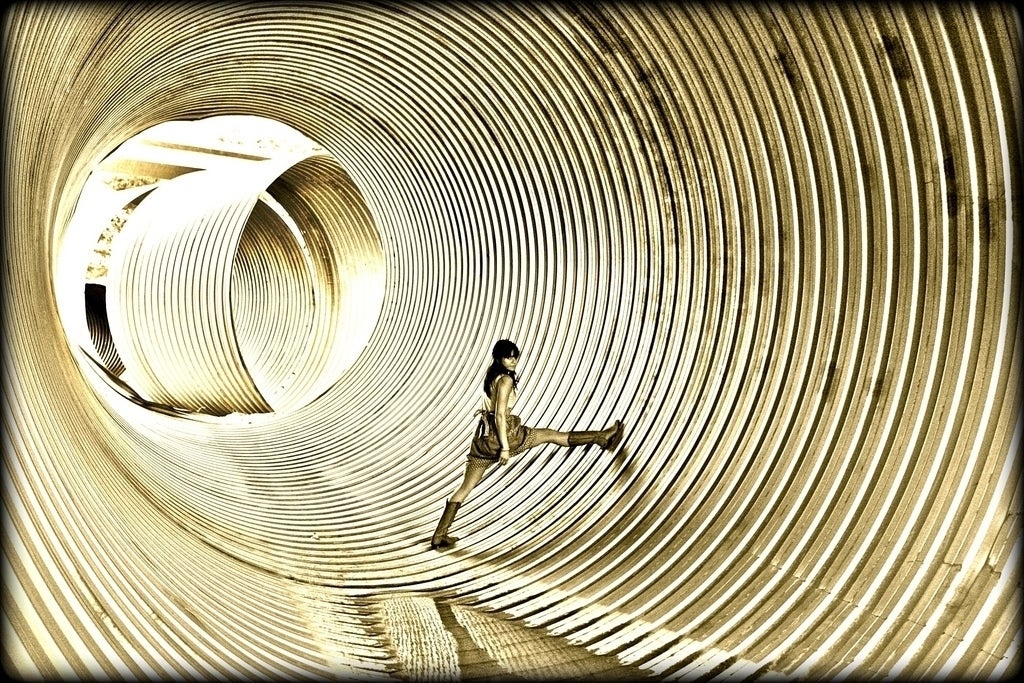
500, 434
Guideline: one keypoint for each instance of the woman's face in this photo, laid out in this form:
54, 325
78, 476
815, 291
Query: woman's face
510, 362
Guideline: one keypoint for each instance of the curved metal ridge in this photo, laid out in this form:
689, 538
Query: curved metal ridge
219, 305
780, 241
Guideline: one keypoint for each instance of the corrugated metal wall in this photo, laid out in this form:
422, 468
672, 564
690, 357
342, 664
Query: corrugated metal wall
780, 241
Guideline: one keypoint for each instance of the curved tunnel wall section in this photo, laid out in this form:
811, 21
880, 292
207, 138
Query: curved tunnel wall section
780, 241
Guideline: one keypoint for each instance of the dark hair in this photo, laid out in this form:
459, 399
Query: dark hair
503, 348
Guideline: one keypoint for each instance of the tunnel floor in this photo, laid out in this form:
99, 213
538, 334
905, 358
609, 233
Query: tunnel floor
431, 638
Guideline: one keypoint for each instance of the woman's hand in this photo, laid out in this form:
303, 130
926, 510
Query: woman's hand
503, 456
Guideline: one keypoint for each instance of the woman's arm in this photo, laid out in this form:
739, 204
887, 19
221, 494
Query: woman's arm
502, 390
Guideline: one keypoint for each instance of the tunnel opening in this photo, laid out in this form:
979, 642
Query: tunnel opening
216, 263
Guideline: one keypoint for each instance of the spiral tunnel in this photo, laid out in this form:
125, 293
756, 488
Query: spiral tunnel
780, 241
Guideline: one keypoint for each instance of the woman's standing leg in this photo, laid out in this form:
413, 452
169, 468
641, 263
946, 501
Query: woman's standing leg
473, 476
475, 470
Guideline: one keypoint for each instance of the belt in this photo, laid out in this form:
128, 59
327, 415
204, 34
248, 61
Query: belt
483, 426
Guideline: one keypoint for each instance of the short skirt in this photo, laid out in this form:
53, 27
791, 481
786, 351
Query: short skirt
485, 443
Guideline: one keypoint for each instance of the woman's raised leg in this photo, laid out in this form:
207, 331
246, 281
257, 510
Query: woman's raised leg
608, 438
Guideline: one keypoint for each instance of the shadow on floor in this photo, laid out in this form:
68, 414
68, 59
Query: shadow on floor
432, 639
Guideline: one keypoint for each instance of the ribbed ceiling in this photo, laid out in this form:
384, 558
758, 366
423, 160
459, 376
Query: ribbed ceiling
780, 241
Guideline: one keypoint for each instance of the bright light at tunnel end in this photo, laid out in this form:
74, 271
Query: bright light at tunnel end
219, 268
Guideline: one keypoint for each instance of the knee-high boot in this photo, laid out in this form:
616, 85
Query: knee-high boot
441, 539
607, 438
